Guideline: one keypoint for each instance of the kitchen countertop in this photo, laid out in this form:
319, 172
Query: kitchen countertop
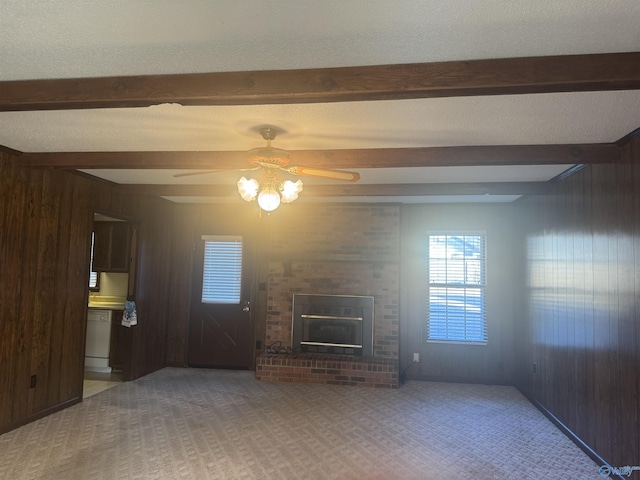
106, 306
106, 302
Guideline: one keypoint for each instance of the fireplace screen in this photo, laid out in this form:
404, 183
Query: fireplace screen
333, 324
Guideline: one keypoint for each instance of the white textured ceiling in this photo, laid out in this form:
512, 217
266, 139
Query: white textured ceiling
81, 38
593, 117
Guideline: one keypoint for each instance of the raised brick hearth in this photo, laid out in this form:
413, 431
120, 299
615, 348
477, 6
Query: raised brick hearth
327, 369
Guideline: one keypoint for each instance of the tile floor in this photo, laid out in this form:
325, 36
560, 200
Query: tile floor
95, 382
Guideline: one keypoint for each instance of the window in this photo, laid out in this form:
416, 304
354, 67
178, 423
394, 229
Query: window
94, 277
456, 281
222, 273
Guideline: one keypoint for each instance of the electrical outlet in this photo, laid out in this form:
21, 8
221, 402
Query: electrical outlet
416, 357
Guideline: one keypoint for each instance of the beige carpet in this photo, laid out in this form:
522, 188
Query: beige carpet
216, 424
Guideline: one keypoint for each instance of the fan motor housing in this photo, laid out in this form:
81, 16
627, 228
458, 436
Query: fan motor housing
268, 157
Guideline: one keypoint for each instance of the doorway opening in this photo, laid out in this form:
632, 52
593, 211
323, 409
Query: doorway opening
111, 283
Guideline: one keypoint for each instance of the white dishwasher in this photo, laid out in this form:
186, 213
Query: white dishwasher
96, 356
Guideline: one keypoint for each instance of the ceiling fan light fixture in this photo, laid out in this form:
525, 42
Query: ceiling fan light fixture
269, 199
269, 190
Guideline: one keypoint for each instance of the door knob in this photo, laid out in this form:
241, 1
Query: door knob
246, 307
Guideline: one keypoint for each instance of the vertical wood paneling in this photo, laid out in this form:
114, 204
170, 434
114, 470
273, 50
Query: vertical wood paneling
184, 219
634, 159
29, 227
44, 293
63, 259
6, 328
45, 224
80, 223
588, 314
563, 305
38, 253
603, 206
584, 329
583, 333
14, 199
152, 292
626, 311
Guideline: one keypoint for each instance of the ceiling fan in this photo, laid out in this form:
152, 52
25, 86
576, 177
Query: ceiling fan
276, 158
269, 190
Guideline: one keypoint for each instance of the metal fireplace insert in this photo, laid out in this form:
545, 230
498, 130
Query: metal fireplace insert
333, 324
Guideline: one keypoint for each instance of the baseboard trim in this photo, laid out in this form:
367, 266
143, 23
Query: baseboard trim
40, 414
569, 433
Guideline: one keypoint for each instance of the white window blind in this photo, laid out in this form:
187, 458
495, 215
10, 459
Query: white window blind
93, 279
222, 273
93, 276
456, 271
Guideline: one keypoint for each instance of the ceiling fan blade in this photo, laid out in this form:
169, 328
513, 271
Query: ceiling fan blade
324, 173
203, 172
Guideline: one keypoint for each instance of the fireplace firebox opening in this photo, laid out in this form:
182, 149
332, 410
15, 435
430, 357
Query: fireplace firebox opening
332, 324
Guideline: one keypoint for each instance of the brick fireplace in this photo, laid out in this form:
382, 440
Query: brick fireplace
339, 250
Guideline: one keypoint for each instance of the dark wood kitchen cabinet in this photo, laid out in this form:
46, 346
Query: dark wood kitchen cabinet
111, 247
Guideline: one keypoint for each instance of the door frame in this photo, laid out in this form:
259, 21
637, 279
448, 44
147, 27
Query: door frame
127, 367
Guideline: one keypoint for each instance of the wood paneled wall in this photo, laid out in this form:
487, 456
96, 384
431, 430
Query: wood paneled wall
44, 247
45, 226
491, 363
149, 337
582, 328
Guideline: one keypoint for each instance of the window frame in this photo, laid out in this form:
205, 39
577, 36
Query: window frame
482, 287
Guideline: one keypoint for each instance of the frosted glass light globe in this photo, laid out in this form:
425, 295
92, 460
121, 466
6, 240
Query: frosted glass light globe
269, 199
290, 190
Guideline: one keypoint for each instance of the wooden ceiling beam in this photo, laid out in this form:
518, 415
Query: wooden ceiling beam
351, 190
499, 155
595, 72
